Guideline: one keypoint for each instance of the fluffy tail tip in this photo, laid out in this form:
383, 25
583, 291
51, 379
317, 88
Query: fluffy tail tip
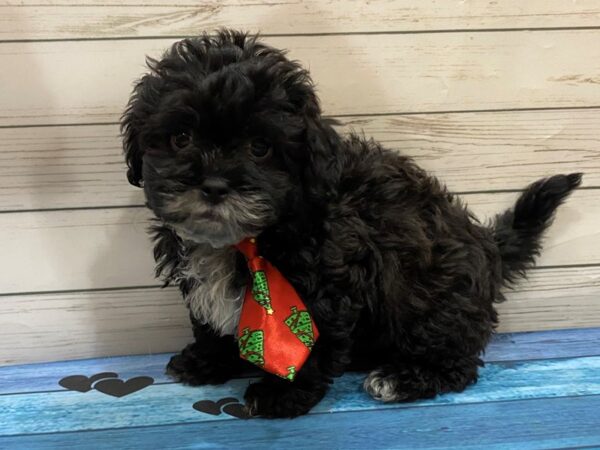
519, 231
537, 204
574, 179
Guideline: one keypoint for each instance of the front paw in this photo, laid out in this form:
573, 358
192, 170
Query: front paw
195, 368
280, 398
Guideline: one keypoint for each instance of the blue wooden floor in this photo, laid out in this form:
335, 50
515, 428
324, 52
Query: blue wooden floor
538, 390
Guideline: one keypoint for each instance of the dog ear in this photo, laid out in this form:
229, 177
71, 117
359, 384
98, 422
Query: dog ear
323, 171
132, 121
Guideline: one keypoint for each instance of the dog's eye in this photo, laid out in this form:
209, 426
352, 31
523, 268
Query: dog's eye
260, 149
180, 141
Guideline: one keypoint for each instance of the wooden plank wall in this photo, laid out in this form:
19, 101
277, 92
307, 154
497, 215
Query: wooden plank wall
487, 95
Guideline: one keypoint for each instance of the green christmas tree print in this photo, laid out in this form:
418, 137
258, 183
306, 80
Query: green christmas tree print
260, 291
300, 323
252, 346
291, 373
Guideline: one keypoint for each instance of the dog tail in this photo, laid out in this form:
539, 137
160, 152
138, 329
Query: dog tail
519, 231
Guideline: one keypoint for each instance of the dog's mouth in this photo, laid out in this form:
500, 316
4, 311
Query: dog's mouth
225, 223
206, 230
187, 208
216, 225
210, 215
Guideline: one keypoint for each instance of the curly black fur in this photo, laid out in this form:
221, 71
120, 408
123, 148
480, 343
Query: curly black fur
399, 276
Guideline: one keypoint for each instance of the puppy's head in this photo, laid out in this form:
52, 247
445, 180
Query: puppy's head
224, 134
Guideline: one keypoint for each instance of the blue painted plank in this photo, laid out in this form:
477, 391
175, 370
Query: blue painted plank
172, 403
504, 347
544, 345
45, 377
522, 425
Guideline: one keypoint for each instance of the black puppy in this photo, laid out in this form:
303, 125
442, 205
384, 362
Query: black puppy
227, 138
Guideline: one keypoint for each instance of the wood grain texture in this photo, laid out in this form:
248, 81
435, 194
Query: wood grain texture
512, 347
34, 19
106, 248
553, 299
543, 345
63, 167
53, 327
91, 324
571, 237
82, 166
527, 425
493, 150
161, 404
556, 423
90, 81
44, 377
67, 250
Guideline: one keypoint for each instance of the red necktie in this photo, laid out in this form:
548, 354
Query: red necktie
275, 332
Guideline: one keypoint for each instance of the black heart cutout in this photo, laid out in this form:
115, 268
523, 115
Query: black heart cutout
236, 410
81, 383
208, 407
102, 376
226, 400
120, 388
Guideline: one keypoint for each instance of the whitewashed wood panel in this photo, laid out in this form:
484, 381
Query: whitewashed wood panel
67, 250
34, 19
552, 299
493, 150
63, 167
52, 327
48, 327
105, 248
82, 166
574, 237
89, 81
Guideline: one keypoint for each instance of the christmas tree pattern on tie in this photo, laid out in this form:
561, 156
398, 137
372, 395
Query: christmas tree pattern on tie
291, 373
300, 323
260, 291
252, 346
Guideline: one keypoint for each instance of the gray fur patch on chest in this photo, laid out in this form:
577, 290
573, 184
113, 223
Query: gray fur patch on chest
213, 297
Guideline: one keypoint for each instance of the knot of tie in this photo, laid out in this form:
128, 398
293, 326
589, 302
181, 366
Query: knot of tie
249, 249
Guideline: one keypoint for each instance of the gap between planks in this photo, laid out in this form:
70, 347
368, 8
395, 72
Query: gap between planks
300, 35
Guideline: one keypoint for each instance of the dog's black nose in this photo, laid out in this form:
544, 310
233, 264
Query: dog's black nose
214, 189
